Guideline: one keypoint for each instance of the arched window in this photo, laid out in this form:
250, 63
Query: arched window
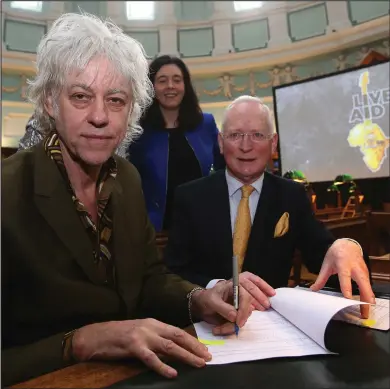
246, 5
27, 5
140, 10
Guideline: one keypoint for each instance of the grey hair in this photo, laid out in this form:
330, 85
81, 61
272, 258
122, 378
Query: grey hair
70, 44
245, 99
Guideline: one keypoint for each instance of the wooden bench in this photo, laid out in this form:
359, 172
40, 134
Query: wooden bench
329, 213
354, 228
378, 225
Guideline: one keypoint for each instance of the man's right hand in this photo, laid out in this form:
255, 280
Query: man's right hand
258, 289
141, 339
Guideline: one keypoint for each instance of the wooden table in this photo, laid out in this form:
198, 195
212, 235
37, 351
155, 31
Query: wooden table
86, 375
89, 374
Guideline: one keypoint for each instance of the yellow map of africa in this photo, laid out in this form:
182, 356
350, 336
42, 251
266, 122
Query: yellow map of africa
372, 141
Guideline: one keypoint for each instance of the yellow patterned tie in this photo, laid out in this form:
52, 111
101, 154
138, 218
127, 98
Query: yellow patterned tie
242, 227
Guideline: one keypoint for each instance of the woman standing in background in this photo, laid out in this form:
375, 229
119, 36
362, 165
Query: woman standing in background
179, 142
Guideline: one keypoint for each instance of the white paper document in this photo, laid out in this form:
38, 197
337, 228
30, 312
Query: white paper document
294, 326
379, 318
265, 335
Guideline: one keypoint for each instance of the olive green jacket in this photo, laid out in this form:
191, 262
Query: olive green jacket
50, 284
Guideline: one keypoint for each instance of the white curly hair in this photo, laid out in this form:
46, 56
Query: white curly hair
71, 43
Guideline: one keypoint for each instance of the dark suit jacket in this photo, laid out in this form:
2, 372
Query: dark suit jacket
50, 284
200, 242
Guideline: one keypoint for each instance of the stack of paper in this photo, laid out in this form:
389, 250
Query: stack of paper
294, 326
379, 318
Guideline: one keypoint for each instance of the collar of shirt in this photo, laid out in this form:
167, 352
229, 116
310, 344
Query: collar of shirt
107, 174
234, 185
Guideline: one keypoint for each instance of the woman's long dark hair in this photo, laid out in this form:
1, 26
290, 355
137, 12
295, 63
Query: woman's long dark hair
190, 114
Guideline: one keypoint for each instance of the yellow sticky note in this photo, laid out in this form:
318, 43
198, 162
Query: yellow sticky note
369, 322
212, 342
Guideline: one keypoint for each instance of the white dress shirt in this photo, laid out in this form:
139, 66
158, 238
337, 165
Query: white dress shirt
234, 188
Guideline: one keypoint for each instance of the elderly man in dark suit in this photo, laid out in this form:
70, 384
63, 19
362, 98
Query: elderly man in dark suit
256, 216
80, 274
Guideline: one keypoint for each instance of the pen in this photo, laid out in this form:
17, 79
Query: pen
235, 289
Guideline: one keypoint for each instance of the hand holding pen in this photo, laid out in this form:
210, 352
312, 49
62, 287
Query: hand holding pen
217, 307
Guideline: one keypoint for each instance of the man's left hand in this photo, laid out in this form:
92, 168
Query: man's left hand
344, 258
215, 307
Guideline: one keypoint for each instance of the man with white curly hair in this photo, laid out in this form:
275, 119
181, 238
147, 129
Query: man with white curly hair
81, 275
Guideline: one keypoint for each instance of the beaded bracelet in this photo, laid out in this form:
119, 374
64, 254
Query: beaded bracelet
67, 346
189, 297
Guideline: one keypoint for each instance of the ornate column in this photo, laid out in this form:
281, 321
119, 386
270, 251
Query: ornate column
278, 26
338, 17
168, 28
222, 27
3, 48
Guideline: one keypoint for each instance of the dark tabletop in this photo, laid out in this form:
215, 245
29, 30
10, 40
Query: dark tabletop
363, 362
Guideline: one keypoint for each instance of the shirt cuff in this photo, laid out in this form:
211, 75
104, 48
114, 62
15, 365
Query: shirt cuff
212, 283
354, 241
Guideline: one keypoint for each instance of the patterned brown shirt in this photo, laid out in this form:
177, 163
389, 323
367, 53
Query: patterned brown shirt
100, 234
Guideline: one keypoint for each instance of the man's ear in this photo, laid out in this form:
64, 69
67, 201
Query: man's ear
49, 106
220, 142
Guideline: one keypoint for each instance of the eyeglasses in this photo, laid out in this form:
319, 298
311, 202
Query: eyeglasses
254, 136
